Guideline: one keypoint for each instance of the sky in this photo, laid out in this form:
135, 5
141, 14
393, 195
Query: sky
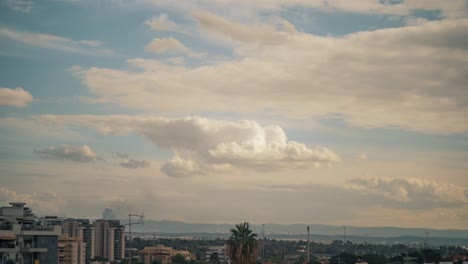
339, 112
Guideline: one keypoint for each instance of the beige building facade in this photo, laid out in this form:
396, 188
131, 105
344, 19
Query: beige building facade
104, 239
72, 250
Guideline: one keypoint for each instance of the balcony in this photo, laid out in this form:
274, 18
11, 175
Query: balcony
8, 250
29, 249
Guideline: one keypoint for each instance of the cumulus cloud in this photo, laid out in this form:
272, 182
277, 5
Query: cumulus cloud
88, 47
362, 156
202, 145
163, 45
17, 97
135, 164
414, 192
68, 152
179, 168
161, 23
411, 78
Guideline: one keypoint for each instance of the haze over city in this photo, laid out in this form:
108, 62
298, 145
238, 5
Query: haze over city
314, 112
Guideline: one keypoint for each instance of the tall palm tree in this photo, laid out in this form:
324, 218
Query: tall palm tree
242, 246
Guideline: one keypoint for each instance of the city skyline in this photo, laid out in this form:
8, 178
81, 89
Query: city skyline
321, 112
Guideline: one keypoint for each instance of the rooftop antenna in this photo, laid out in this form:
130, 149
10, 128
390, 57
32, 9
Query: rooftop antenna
130, 223
263, 242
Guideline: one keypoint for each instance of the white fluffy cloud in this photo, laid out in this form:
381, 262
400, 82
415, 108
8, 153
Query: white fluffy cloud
203, 145
68, 152
17, 97
415, 192
412, 78
161, 23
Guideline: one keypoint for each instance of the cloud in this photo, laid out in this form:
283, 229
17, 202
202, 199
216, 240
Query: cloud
120, 155
449, 9
161, 23
135, 164
24, 6
40, 202
414, 192
362, 156
411, 78
204, 145
415, 21
164, 45
264, 33
88, 47
176, 61
17, 97
68, 152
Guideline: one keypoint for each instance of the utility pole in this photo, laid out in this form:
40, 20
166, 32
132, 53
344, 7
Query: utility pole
308, 242
140, 221
427, 240
344, 238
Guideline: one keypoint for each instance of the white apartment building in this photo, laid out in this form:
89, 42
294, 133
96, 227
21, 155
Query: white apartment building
221, 251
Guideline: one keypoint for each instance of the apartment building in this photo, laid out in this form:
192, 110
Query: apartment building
23, 239
220, 252
72, 250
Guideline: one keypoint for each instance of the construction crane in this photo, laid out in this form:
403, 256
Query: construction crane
130, 223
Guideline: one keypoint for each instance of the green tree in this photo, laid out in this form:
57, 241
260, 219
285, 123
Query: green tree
134, 261
344, 257
374, 258
156, 262
178, 259
301, 259
98, 258
242, 245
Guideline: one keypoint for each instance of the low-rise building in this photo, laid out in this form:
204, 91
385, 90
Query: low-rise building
158, 252
162, 254
220, 252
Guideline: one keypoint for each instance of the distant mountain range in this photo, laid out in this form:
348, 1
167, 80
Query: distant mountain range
299, 231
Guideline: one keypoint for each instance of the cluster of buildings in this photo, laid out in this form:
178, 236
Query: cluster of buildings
165, 254
28, 239
162, 254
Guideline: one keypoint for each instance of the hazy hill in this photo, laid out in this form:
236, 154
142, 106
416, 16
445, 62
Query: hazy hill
299, 229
